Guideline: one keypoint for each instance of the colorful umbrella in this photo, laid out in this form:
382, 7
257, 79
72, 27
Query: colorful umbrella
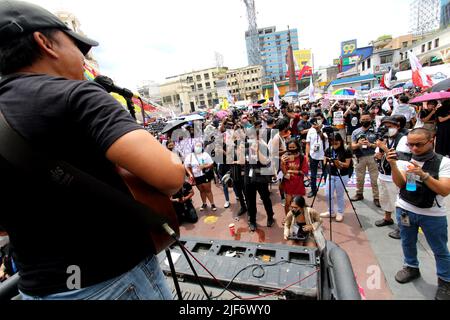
222, 114
432, 96
345, 92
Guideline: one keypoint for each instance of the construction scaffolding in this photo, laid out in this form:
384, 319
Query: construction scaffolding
425, 16
254, 52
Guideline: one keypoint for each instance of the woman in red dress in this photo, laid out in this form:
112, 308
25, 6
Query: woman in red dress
294, 166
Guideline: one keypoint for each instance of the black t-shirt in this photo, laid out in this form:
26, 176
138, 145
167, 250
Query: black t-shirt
426, 113
342, 155
76, 122
304, 125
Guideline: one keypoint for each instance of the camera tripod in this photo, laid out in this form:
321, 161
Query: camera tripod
327, 172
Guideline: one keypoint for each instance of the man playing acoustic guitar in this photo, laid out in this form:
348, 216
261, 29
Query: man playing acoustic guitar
66, 247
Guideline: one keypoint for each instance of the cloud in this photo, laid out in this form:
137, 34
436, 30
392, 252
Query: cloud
152, 40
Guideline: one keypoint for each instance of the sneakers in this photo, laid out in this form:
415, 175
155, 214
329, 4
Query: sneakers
358, 197
311, 195
443, 292
384, 223
252, 226
327, 215
213, 207
270, 222
339, 217
407, 274
395, 234
226, 205
203, 207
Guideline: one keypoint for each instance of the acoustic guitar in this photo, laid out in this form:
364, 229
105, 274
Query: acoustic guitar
159, 204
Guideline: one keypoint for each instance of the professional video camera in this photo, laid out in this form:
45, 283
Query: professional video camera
382, 132
329, 130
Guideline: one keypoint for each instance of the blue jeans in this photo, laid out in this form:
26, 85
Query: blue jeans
338, 188
436, 233
145, 282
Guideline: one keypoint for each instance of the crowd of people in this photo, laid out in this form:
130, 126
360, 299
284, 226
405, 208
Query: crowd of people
299, 146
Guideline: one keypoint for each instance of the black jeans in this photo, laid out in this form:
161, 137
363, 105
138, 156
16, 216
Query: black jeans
250, 195
239, 191
314, 165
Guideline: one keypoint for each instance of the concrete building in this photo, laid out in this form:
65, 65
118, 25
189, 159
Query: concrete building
195, 90
431, 50
245, 83
273, 48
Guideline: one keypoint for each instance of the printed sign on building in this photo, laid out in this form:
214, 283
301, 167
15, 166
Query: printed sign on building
348, 48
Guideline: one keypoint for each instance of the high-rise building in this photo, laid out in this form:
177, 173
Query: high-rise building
425, 16
273, 47
445, 13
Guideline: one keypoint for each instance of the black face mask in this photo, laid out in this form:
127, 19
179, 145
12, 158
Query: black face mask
366, 124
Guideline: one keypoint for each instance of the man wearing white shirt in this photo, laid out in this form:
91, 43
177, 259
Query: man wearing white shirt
387, 188
423, 207
316, 144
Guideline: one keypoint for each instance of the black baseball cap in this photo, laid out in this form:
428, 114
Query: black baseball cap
19, 18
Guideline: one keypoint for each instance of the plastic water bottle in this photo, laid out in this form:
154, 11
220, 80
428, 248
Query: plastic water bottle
411, 185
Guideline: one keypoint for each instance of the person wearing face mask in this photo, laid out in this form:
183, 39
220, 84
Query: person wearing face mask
303, 127
363, 146
303, 225
316, 143
340, 163
422, 205
294, 166
199, 166
388, 190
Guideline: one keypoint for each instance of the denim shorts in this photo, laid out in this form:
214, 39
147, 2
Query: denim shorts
145, 282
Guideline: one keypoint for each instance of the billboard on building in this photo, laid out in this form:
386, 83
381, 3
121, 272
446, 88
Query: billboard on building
303, 58
348, 48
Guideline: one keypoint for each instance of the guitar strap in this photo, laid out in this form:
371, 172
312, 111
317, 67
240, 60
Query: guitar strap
66, 178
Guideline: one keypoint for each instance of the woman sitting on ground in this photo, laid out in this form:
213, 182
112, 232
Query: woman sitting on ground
303, 225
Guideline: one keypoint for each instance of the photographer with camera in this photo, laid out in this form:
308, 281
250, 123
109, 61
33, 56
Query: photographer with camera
339, 158
389, 137
316, 143
364, 145
257, 178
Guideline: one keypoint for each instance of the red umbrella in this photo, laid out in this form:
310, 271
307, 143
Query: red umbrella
432, 96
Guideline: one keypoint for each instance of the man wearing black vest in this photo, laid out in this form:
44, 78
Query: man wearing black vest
394, 139
424, 207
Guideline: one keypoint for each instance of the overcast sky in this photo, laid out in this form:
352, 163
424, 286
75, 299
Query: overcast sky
152, 40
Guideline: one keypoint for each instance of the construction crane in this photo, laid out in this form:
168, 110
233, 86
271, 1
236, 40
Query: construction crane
254, 53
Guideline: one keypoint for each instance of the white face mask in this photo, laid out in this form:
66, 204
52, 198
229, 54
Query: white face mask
392, 132
198, 150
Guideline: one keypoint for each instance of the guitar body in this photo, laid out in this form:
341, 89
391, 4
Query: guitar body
159, 203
